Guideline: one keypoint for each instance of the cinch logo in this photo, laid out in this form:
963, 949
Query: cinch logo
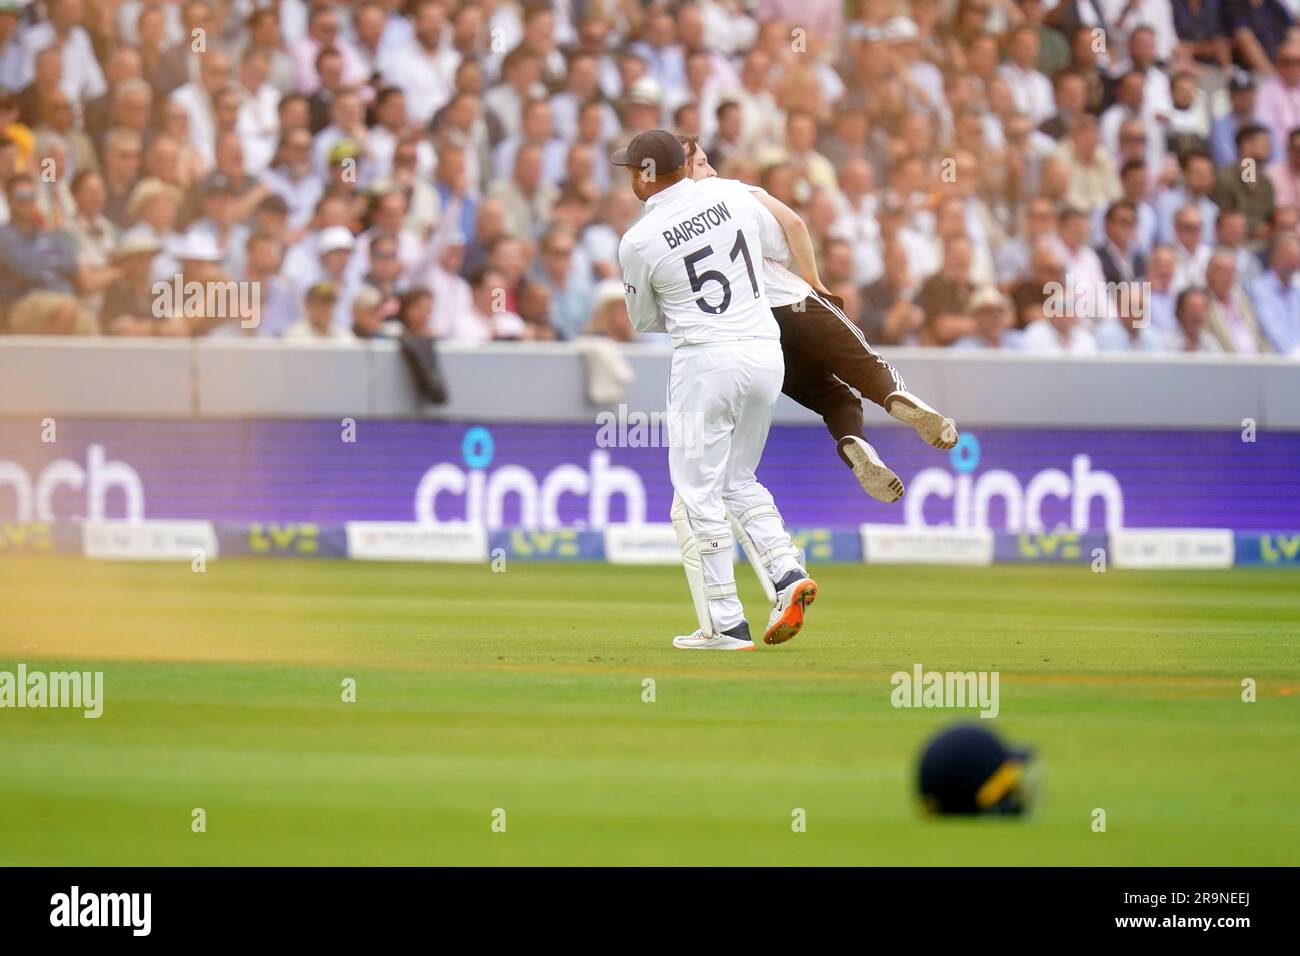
972, 495
34, 500
479, 496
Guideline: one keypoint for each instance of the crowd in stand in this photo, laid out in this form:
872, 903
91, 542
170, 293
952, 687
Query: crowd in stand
1049, 176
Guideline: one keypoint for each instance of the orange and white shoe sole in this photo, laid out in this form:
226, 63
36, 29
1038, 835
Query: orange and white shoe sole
791, 622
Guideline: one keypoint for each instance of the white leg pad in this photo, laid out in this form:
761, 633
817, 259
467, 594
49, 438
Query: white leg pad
756, 562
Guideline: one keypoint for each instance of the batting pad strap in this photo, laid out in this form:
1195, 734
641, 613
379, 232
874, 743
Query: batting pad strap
716, 592
756, 512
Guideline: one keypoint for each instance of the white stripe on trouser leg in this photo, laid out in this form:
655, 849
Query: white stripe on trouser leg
776, 552
861, 337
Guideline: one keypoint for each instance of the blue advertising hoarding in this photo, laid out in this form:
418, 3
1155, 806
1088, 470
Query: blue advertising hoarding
286, 474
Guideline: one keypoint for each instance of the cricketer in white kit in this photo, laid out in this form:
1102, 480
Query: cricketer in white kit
692, 267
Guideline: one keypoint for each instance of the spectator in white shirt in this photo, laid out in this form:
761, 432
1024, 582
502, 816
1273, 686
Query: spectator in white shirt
82, 78
1191, 251
259, 109
1031, 90
424, 67
1058, 333
324, 30
198, 99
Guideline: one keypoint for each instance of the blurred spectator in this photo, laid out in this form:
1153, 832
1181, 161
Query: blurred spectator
1120, 259
944, 297
1284, 174
129, 303
1276, 296
1058, 333
1195, 188
1191, 252
1244, 187
39, 272
1193, 313
568, 279
991, 313
317, 324
609, 314
1231, 316
1129, 328
1242, 96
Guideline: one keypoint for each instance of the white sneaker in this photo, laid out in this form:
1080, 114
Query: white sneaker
875, 477
699, 641
934, 428
788, 612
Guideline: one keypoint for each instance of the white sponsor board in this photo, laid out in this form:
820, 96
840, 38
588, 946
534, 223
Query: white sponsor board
642, 544
895, 544
410, 541
148, 540
1172, 548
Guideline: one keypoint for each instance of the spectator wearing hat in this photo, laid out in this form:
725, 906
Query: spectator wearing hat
370, 319
155, 206
318, 323
334, 248
991, 313
1242, 96
128, 304
609, 318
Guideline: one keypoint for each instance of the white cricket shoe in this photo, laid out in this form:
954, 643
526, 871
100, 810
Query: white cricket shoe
717, 641
939, 431
792, 601
876, 478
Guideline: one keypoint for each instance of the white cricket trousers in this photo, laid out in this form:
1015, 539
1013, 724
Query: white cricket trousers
720, 403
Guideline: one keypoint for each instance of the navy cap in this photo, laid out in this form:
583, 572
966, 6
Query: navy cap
656, 145
967, 769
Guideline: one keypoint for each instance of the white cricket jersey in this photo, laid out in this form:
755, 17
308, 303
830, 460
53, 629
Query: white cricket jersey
693, 264
782, 286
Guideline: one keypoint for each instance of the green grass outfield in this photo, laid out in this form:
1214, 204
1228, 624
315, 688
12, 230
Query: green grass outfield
522, 690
